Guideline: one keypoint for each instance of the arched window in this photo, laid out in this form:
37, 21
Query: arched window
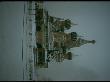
67, 24
74, 36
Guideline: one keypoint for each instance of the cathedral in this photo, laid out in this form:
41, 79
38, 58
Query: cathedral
52, 41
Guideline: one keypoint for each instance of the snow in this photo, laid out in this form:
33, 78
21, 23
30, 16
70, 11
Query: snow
15, 61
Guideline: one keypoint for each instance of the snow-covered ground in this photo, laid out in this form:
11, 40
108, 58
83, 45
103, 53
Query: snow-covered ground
29, 40
17, 39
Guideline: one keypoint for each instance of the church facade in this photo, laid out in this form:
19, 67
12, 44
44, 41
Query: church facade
53, 42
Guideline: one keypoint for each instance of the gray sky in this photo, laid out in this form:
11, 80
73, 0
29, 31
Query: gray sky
93, 19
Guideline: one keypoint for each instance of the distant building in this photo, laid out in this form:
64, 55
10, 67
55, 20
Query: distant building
59, 24
51, 40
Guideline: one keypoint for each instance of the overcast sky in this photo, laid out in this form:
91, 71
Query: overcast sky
93, 19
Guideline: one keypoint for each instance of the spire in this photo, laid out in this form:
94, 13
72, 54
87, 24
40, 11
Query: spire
83, 41
92, 41
79, 42
73, 24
